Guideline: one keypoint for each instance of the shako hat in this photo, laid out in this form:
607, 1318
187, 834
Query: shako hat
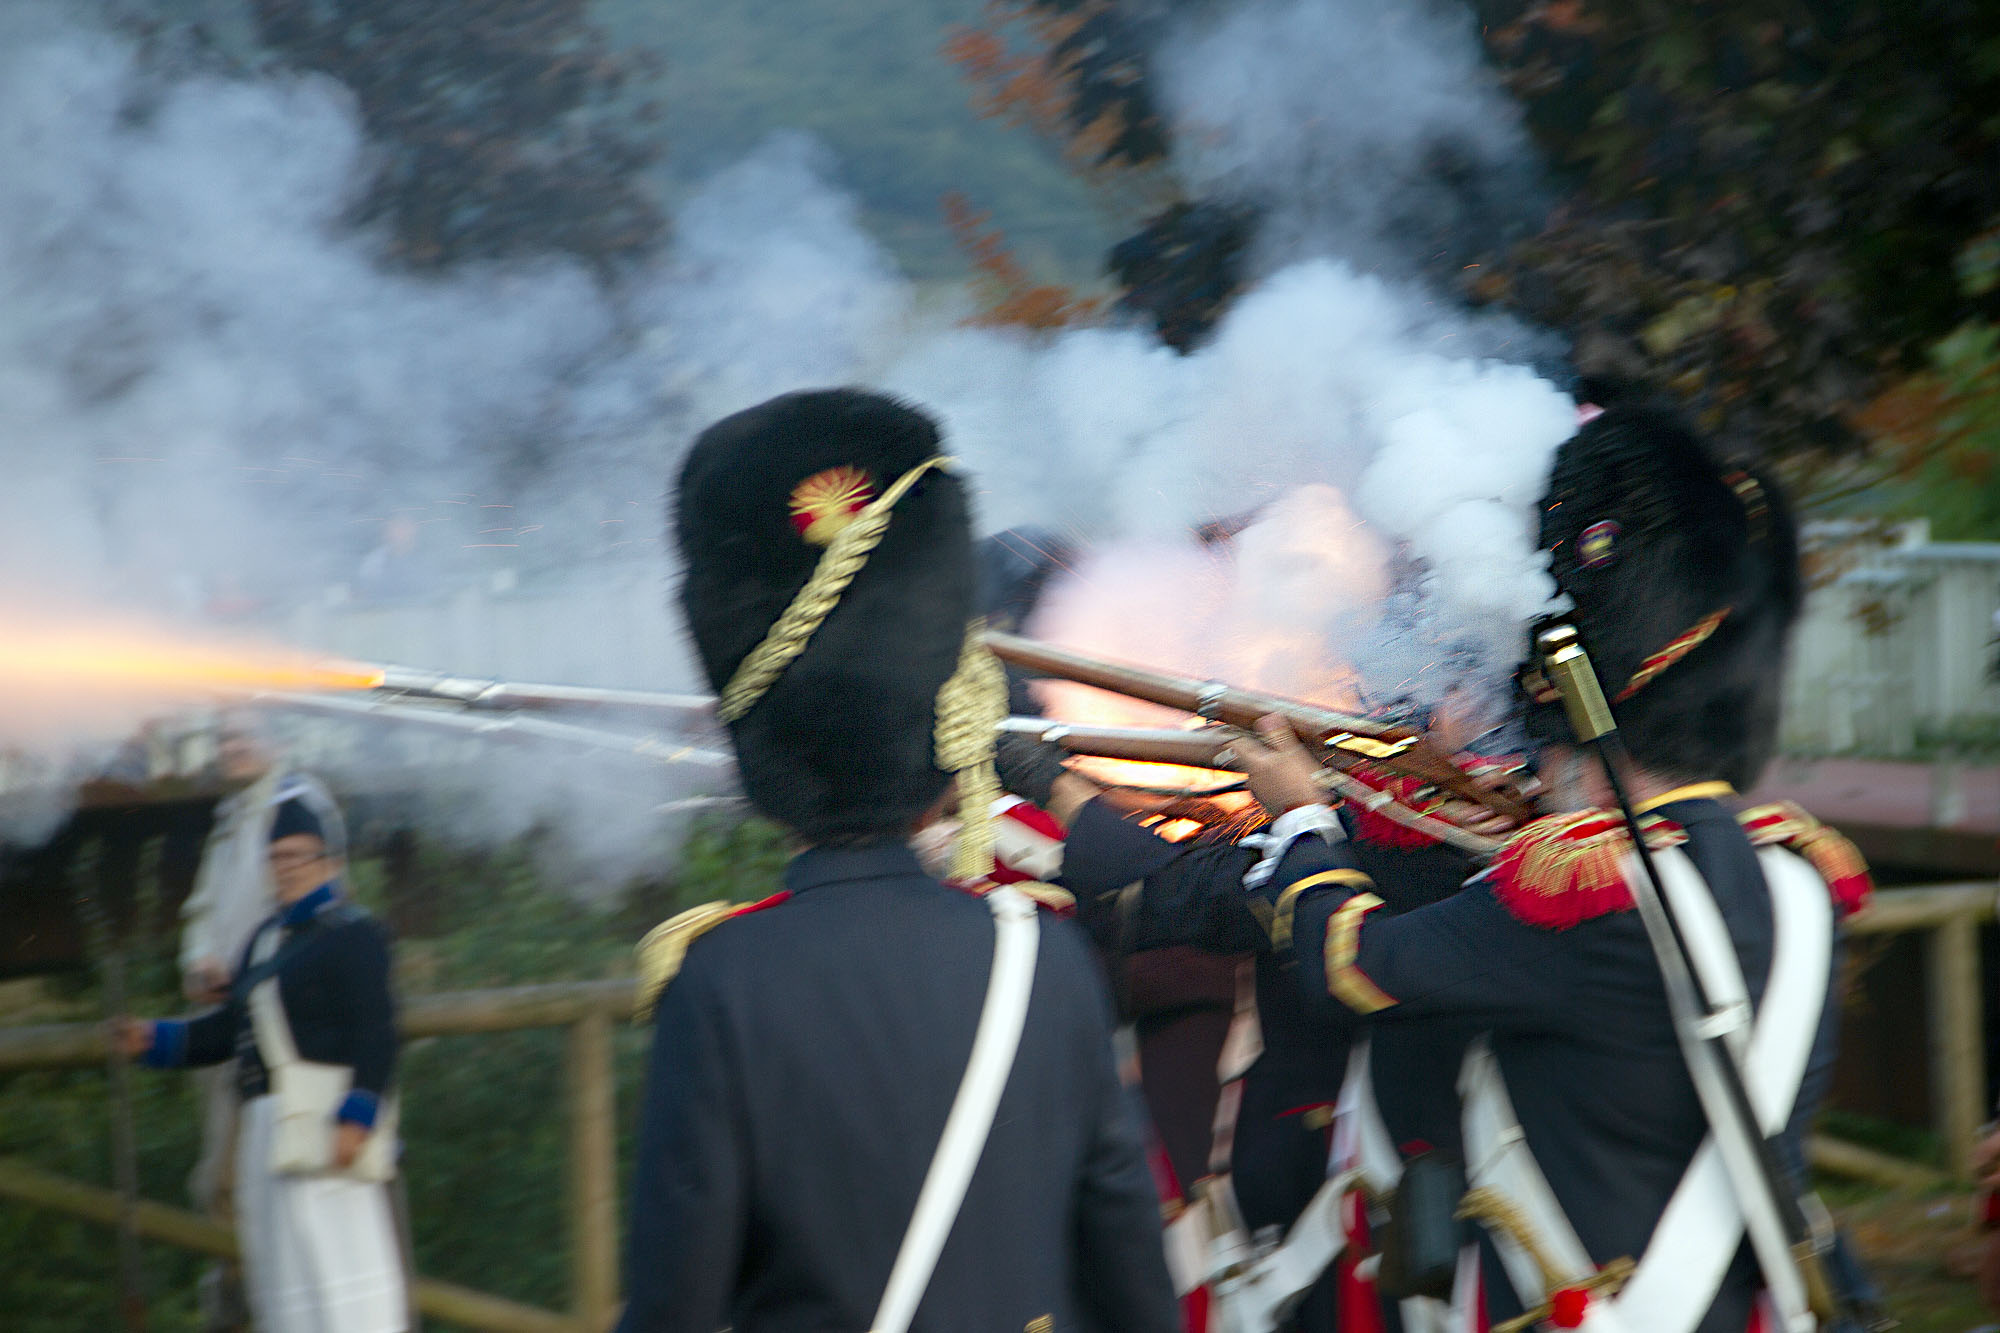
293, 817
829, 585
1684, 574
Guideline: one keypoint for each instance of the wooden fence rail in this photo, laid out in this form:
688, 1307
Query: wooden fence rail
587, 1008
1951, 914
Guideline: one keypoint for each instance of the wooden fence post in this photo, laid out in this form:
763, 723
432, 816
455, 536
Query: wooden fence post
1958, 1050
593, 1167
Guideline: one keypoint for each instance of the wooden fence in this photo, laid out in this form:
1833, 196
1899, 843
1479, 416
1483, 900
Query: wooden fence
1950, 914
587, 1008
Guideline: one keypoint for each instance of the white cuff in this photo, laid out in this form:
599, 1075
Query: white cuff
1286, 829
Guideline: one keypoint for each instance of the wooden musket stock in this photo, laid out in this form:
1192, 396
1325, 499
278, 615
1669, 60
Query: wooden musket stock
1340, 739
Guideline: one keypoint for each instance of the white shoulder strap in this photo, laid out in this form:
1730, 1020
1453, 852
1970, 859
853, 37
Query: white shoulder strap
1702, 1228
267, 1012
1698, 1235
1016, 937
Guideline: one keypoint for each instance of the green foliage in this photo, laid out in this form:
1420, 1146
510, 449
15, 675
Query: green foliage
1764, 200
1958, 487
484, 1117
498, 127
868, 78
58, 1275
1938, 434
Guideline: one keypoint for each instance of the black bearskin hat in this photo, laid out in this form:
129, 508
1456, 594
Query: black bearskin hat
1684, 572
839, 748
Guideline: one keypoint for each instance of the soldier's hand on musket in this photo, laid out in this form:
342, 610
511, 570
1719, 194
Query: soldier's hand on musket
1029, 766
1481, 819
1282, 773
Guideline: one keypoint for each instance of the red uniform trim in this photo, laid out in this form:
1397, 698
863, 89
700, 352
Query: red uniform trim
1837, 860
762, 904
1563, 870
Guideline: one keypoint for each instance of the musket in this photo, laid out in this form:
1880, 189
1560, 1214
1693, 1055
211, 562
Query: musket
1215, 748
501, 696
1203, 747
513, 724
1342, 740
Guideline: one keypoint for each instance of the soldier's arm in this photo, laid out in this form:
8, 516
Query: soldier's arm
1189, 893
361, 975
688, 1194
1467, 956
194, 1043
1121, 1259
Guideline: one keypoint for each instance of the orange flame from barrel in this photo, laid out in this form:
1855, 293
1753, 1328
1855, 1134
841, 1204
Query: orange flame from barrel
77, 661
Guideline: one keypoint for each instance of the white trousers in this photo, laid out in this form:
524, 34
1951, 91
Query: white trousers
319, 1252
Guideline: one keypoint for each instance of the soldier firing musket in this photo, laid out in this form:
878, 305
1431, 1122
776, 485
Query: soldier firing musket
875, 1100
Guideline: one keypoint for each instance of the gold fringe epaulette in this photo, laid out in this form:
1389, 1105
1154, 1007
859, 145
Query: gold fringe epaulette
1837, 861
1563, 870
1045, 896
665, 947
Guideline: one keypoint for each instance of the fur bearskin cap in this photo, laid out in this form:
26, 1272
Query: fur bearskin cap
1684, 572
839, 749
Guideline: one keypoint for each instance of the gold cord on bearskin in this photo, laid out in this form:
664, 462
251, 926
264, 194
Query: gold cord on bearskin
971, 705
846, 553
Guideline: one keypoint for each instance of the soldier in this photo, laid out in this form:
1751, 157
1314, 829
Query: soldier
1137, 891
1582, 1121
310, 997
810, 1050
233, 894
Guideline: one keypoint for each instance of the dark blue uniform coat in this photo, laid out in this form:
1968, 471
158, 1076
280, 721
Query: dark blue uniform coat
804, 1061
1579, 1027
1193, 894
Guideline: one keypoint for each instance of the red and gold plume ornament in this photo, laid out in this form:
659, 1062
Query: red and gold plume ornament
1564, 870
1837, 860
828, 501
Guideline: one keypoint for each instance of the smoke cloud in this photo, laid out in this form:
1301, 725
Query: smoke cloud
217, 402
1366, 131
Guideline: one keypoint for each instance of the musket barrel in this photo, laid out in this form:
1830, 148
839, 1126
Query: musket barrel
504, 696
1145, 745
1342, 739
1209, 699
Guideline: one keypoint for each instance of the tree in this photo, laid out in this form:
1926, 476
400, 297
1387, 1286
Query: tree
1770, 210
1766, 204
499, 125
1075, 72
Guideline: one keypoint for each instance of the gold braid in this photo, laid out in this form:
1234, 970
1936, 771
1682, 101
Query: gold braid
1494, 1211
1497, 1212
844, 557
970, 708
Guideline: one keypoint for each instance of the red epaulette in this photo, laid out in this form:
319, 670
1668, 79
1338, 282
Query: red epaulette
1562, 870
665, 947
1837, 860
